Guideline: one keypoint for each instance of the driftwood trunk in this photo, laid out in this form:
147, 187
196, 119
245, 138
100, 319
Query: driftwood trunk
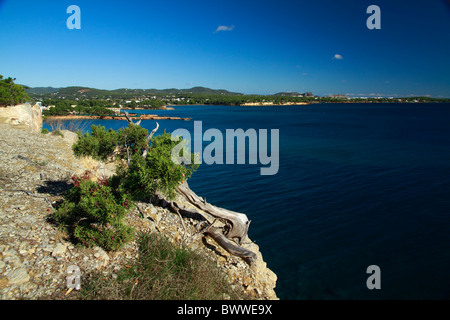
218, 234
237, 225
228, 245
238, 222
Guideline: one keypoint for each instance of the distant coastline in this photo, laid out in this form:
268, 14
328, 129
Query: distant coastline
342, 101
134, 116
259, 104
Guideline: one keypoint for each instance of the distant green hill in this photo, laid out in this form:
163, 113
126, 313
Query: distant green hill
287, 94
41, 90
293, 94
93, 92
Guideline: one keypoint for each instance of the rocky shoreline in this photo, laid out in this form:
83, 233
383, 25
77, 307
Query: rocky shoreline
133, 116
35, 254
261, 104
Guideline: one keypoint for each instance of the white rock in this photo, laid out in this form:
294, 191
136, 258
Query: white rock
48, 248
59, 250
18, 276
100, 254
13, 260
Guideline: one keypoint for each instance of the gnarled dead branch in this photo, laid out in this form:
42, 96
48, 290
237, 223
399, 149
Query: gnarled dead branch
149, 137
144, 154
228, 245
215, 233
239, 222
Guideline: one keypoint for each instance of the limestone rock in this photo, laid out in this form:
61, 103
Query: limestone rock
101, 256
59, 250
36, 119
24, 115
69, 137
18, 276
154, 214
4, 282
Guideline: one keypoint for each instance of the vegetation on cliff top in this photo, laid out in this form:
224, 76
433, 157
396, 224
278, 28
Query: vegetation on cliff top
11, 93
93, 212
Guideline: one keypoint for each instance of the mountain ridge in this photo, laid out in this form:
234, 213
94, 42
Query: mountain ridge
75, 90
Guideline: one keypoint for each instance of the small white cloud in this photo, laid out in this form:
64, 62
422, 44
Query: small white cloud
305, 74
338, 57
224, 28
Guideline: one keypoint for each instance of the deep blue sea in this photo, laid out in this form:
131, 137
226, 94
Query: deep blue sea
358, 185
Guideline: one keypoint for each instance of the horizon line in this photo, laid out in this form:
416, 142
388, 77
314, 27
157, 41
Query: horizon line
361, 95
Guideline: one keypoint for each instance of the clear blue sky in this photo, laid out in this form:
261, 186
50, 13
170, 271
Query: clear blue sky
261, 47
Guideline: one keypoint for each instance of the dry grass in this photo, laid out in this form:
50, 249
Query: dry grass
71, 125
163, 272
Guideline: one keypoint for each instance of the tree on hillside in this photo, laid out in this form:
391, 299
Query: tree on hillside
11, 93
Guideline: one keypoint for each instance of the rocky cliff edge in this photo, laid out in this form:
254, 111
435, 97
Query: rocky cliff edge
35, 255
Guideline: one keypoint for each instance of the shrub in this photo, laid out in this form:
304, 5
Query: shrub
99, 143
142, 177
44, 131
93, 214
57, 133
132, 137
157, 172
